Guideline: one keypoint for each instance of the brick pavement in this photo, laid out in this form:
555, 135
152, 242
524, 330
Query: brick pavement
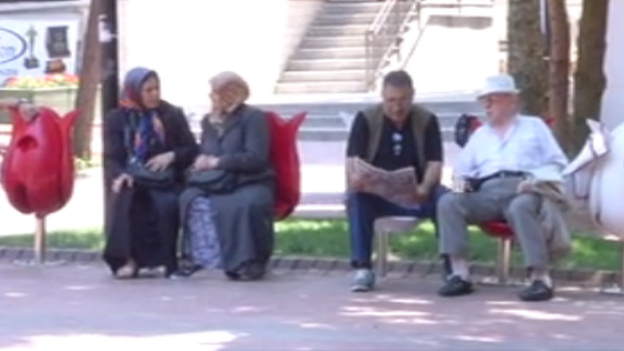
80, 308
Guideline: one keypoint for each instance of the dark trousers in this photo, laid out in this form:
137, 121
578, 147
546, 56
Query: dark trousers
362, 211
143, 225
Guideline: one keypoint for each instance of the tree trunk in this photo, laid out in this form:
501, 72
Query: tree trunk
559, 70
589, 78
89, 79
527, 51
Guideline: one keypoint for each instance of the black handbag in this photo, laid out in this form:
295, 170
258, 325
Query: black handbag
139, 172
213, 181
144, 176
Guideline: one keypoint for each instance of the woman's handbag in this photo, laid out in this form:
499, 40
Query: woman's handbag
146, 177
214, 181
141, 174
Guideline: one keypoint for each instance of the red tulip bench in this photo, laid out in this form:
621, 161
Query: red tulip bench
38, 166
286, 162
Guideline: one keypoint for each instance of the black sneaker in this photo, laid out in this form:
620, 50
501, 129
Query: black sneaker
455, 286
537, 291
187, 271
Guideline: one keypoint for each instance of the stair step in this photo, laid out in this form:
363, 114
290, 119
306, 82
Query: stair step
320, 87
347, 7
333, 122
456, 4
355, 18
330, 53
326, 65
443, 108
330, 134
332, 2
323, 76
322, 135
317, 42
330, 30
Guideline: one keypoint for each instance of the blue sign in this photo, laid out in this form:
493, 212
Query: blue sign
12, 46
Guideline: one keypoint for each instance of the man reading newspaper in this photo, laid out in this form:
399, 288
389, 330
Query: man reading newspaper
393, 136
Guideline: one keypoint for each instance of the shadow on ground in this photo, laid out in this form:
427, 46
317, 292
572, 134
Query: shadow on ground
79, 308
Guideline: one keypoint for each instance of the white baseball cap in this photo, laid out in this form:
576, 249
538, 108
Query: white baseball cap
499, 84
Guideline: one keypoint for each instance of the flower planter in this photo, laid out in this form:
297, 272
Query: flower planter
61, 99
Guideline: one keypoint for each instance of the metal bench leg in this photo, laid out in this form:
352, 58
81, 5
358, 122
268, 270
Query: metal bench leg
40, 241
621, 280
382, 253
503, 260
618, 287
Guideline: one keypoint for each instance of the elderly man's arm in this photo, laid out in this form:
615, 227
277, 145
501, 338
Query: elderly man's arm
358, 137
465, 167
357, 144
552, 154
434, 156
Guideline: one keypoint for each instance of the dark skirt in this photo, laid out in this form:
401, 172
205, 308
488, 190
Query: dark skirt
142, 226
243, 220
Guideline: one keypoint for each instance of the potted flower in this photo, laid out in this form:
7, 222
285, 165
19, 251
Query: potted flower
57, 91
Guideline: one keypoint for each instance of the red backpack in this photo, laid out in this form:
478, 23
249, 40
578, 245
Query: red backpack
285, 160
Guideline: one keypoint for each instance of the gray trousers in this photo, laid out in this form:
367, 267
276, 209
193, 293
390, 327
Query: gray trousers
497, 199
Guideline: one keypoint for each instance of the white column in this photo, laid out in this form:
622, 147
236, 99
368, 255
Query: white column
613, 99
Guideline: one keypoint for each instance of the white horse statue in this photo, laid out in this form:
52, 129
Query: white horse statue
595, 178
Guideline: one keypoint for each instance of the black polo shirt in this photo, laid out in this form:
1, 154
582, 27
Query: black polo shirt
397, 147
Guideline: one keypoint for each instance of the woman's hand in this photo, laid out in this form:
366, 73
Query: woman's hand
526, 186
124, 180
205, 162
160, 162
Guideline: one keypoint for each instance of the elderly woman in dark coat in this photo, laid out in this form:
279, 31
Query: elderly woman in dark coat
147, 146
228, 208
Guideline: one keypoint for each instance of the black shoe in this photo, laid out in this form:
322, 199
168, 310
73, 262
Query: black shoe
537, 291
233, 276
455, 286
188, 271
254, 272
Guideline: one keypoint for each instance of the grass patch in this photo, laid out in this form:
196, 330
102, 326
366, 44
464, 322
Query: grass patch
328, 238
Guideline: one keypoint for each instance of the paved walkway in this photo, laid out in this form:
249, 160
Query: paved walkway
81, 308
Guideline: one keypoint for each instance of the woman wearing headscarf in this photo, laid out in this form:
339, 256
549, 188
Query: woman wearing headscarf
227, 209
147, 146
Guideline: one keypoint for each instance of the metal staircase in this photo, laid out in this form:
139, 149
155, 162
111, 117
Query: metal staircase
331, 56
347, 40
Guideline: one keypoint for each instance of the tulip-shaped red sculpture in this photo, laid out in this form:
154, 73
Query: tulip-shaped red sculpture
38, 167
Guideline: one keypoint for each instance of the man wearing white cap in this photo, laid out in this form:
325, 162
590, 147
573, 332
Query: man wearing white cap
495, 165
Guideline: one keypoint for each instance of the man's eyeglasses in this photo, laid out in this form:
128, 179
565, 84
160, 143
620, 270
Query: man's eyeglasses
397, 141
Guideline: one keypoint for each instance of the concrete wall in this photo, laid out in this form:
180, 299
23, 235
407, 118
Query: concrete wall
191, 41
453, 53
613, 98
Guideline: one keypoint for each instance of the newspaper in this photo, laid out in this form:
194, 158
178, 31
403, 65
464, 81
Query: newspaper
397, 186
